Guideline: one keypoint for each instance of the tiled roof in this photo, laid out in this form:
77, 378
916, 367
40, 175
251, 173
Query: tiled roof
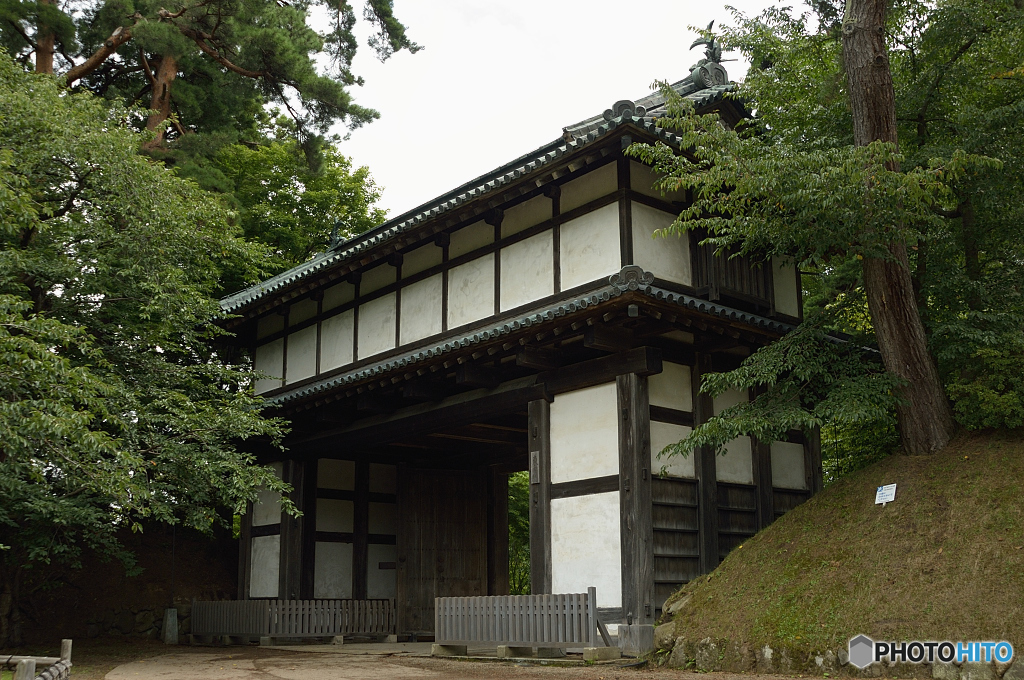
584, 133
630, 278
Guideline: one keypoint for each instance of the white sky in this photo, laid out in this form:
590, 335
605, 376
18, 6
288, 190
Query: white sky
499, 78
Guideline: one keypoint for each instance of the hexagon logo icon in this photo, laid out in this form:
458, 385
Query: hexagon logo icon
862, 651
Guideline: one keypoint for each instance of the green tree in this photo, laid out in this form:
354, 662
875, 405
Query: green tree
117, 404
519, 533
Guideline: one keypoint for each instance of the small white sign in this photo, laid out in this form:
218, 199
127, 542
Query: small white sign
885, 494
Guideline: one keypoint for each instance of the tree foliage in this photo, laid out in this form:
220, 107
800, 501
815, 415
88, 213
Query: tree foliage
519, 533
117, 403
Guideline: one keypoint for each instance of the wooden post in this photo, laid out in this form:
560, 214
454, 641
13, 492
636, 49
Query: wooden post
291, 534
26, 670
245, 553
812, 460
539, 420
705, 468
308, 555
65, 650
625, 212
636, 528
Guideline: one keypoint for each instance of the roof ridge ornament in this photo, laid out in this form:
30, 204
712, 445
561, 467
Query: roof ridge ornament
624, 108
631, 277
708, 72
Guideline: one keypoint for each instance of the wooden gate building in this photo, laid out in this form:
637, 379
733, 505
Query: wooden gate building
526, 320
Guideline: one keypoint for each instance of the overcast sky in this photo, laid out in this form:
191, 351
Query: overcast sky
499, 78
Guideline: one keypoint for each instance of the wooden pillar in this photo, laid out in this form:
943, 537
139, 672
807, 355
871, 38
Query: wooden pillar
497, 533
636, 528
308, 531
625, 211
812, 460
705, 469
540, 495
361, 530
245, 553
291, 533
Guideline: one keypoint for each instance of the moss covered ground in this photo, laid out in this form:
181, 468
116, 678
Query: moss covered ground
945, 561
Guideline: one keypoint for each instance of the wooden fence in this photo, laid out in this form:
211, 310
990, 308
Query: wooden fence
293, 618
564, 620
54, 667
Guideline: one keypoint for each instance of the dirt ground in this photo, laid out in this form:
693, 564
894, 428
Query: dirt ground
99, 660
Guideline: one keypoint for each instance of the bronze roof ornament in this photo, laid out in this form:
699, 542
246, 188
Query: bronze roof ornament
709, 71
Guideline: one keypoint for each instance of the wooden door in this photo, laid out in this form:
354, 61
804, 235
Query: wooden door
442, 541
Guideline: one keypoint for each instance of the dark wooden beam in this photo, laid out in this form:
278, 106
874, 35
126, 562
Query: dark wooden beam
369, 402
705, 469
472, 375
636, 527
539, 359
540, 495
641, 360
425, 390
290, 575
608, 338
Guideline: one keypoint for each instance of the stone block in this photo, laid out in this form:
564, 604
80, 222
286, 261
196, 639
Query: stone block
678, 605
945, 671
707, 655
638, 639
664, 635
448, 650
508, 652
601, 653
144, 620
765, 658
678, 657
170, 627
1015, 671
844, 656
391, 639
976, 670
550, 653
124, 622
338, 640
266, 641
1001, 668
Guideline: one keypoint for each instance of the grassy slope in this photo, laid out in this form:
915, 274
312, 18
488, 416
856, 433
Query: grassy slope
944, 561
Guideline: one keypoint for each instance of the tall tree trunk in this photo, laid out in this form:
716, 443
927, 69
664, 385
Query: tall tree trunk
45, 42
166, 72
925, 419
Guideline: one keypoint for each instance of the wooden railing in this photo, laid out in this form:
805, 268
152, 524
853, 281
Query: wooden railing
293, 618
55, 667
563, 620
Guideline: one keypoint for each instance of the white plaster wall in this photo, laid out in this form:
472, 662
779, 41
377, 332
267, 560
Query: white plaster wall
667, 257
332, 571
376, 326
335, 296
525, 215
788, 466
421, 309
527, 271
269, 325
334, 515
376, 278
595, 184
787, 300
267, 508
269, 359
471, 291
380, 583
383, 518
383, 478
589, 247
585, 546
336, 474
585, 434
301, 354
468, 239
265, 566
642, 178
671, 388
737, 464
301, 311
336, 334
662, 435
421, 259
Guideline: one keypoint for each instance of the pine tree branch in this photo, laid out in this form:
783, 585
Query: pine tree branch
119, 37
200, 40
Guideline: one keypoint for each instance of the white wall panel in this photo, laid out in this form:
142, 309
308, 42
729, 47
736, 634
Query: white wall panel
336, 335
642, 178
265, 566
525, 215
332, 571
527, 271
376, 278
421, 259
667, 257
383, 478
383, 518
787, 300
585, 546
421, 309
335, 296
301, 311
589, 247
662, 435
671, 388
269, 359
380, 583
301, 355
468, 239
788, 466
336, 474
590, 186
267, 508
585, 434
376, 326
737, 464
471, 291
269, 325
334, 515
